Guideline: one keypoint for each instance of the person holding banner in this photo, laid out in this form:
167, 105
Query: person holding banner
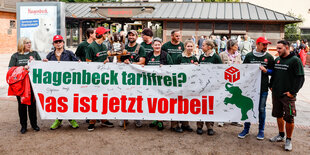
61, 54
136, 56
287, 79
186, 57
21, 58
209, 57
97, 52
158, 57
80, 51
231, 56
260, 55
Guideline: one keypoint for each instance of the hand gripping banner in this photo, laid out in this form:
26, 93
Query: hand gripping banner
210, 92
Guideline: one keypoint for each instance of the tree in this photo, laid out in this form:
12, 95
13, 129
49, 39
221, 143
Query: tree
292, 31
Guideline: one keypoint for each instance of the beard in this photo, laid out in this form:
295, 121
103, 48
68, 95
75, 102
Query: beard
132, 41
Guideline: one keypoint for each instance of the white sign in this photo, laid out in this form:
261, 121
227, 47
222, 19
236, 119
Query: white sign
39, 24
80, 90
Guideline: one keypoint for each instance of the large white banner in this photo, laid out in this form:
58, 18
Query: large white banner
80, 90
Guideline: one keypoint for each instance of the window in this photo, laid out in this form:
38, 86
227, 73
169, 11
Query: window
12, 24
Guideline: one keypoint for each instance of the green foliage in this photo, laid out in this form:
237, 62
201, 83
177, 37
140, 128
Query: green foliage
292, 31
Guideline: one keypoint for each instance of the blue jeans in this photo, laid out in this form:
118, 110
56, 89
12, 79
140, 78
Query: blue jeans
261, 114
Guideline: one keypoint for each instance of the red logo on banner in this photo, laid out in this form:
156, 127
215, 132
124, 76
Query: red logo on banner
232, 74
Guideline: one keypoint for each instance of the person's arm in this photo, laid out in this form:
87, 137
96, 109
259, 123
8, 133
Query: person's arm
142, 56
78, 51
88, 52
13, 61
73, 57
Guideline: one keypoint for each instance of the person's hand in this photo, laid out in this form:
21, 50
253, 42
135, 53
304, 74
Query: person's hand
196, 63
127, 61
289, 94
263, 69
105, 61
26, 67
31, 58
45, 60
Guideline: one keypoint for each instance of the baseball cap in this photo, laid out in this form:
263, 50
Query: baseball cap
57, 37
101, 30
157, 39
133, 32
262, 40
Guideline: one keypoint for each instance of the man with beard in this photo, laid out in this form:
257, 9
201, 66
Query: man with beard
175, 46
136, 55
97, 52
287, 79
261, 56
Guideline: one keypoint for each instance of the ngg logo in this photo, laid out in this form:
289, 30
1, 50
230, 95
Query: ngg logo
232, 74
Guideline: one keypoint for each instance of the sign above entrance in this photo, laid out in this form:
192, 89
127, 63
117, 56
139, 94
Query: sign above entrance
121, 12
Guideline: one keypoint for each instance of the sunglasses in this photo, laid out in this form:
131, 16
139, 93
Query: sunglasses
58, 41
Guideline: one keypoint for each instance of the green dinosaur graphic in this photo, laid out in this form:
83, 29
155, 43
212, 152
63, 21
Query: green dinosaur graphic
242, 102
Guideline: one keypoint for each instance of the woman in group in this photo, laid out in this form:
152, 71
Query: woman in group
231, 56
187, 57
20, 58
158, 57
209, 56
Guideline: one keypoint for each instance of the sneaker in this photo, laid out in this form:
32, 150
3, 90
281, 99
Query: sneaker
160, 126
177, 129
220, 124
260, 135
243, 134
288, 145
277, 138
91, 127
187, 128
199, 131
153, 124
138, 123
74, 124
56, 125
107, 124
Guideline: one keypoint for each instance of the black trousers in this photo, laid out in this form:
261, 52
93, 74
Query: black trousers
32, 112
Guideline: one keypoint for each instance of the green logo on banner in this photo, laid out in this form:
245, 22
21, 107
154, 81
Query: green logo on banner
244, 103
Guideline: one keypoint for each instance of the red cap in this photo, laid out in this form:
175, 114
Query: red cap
101, 30
57, 37
262, 40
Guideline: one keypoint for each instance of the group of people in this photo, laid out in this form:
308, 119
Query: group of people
286, 71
